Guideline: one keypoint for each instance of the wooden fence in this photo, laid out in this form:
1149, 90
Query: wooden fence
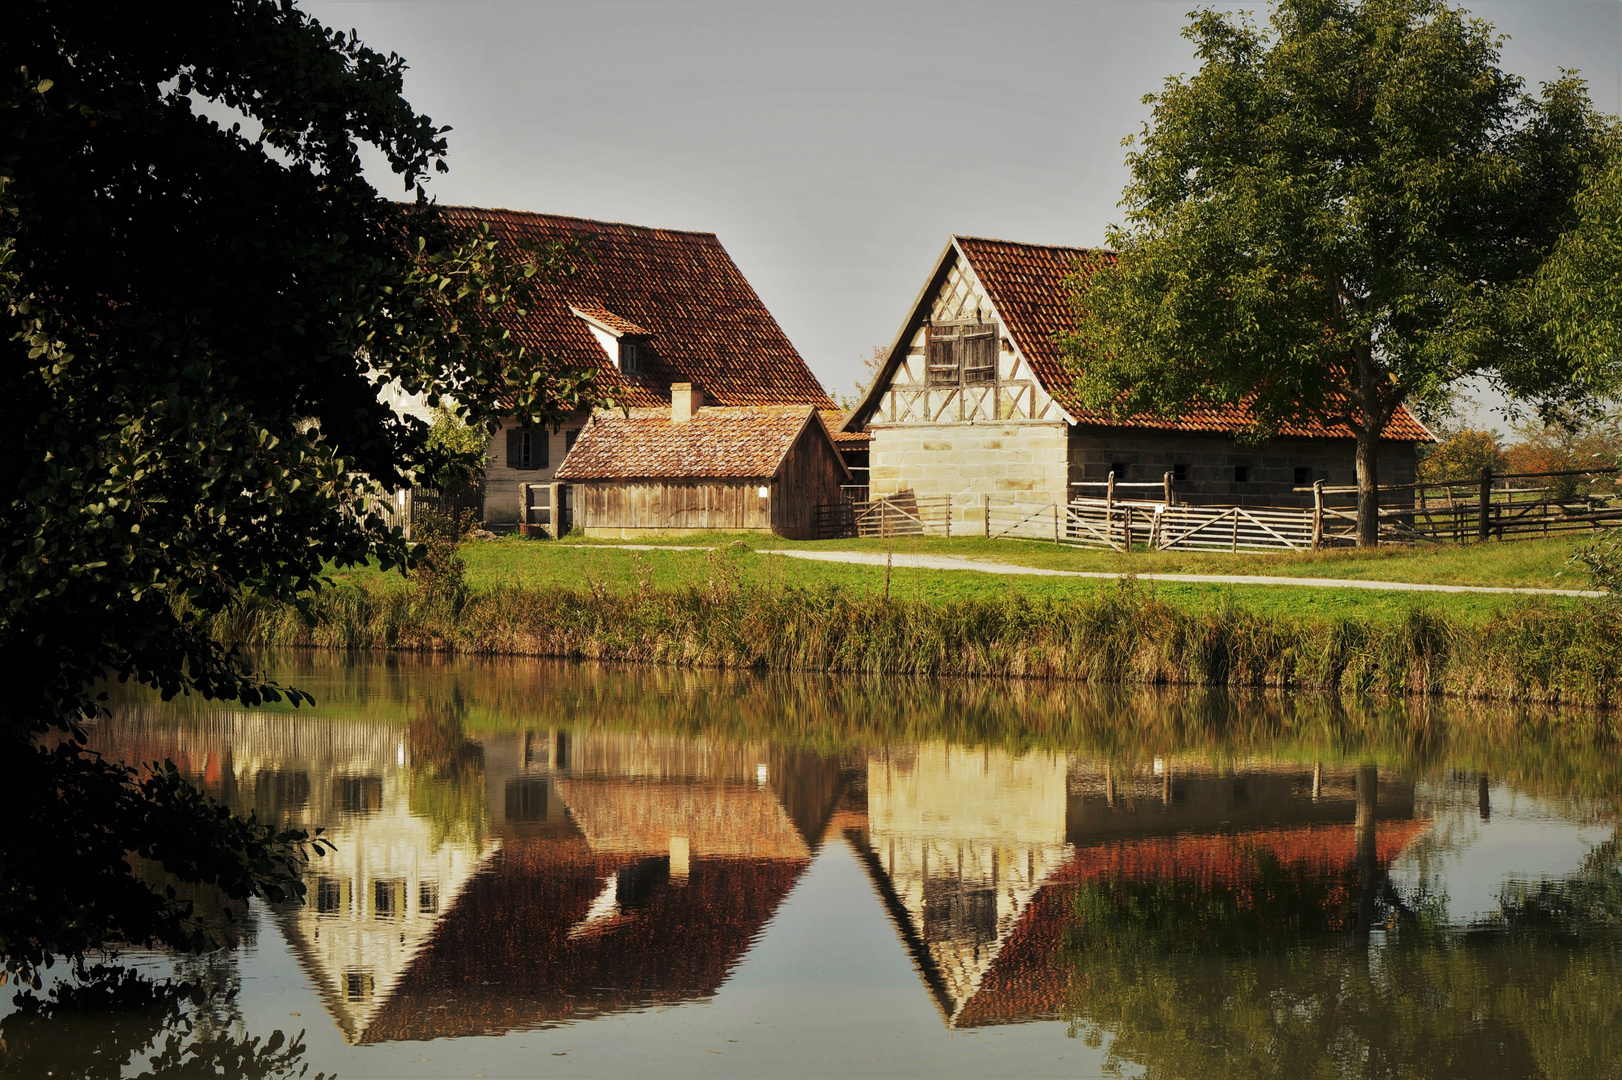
1517, 506
902, 514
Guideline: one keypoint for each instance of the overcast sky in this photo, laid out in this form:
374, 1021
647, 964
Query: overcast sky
833, 147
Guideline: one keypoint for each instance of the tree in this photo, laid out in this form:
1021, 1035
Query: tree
1462, 455
197, 315
1333, 218
1576, 295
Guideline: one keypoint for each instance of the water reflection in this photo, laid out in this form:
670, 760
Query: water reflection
1294, 901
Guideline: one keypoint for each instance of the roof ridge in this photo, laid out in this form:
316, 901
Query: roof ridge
572, 217
1022, 243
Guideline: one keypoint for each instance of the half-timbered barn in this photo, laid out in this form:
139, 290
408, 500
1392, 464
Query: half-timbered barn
974, 401
690, 468
646, 309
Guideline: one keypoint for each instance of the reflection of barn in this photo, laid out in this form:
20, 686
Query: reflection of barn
979, 855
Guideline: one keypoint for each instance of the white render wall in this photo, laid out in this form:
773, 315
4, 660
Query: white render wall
501, 483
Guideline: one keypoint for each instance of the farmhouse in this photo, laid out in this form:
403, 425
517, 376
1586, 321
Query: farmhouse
650, 309
973, 403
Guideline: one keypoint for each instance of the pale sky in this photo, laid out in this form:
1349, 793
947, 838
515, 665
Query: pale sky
833, 147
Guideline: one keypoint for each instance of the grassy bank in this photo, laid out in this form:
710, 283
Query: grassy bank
1541, 650
547, 565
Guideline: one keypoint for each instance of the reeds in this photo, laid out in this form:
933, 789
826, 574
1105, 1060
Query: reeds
1123, 635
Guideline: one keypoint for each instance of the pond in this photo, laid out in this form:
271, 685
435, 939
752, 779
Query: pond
552, 870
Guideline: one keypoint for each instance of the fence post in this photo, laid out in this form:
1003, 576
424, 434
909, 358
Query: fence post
1126, 528
1317, 514
948, 517
1055, 523
1235, 545
988, 515
1486, 503
1167, 481
1109, 492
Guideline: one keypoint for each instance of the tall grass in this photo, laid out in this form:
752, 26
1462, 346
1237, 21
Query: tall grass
1123, 635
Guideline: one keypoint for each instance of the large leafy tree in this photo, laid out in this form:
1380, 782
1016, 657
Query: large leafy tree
1336, 215
200, 292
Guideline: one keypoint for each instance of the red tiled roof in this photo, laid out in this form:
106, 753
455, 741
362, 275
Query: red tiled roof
600, 314
1029, 285
704, 322
504, 957
748, 442
834, 421
1028, 981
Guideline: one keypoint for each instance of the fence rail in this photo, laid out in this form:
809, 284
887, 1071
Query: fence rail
1495, 508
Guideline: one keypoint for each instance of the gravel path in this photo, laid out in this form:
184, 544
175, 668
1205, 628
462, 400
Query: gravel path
952, 562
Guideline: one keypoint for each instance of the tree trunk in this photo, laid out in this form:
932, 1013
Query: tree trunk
1368, 484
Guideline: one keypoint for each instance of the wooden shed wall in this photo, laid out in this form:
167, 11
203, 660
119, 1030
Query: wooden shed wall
630, 505
809, 476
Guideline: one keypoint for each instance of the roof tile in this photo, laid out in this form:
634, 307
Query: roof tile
1029, 285
744, 442
705, 323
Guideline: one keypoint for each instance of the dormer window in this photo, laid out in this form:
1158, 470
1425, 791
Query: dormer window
622, 341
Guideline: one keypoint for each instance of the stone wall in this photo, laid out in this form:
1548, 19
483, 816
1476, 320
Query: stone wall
1209, 462
1020, 460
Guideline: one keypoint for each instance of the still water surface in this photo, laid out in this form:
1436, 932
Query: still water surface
546, 870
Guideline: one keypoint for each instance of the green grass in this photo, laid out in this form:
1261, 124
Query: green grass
1520, 564
540, 564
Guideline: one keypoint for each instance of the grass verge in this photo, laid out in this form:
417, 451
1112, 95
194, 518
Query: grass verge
1537, 650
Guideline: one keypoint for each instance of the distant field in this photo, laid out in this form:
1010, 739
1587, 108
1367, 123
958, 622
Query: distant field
580, 564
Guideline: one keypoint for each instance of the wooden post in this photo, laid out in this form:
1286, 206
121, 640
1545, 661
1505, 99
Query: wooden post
1109, 492
948, 517
1166, 480
1317, 514
1126, 529
988, 515
1055, 523
1235, 547
1486, 503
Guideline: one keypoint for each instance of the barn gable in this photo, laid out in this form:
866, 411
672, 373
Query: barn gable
957, 312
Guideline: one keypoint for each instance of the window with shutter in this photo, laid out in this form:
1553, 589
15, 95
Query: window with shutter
943, 355
980, 353
526, 449
963, 353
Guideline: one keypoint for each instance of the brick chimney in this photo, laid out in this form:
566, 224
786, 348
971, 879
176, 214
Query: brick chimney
685, 400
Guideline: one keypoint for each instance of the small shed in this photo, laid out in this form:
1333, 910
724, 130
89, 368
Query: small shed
688, 468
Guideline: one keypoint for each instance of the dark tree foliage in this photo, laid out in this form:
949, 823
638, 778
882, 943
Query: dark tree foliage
196, 316
115, 1021
1336, 215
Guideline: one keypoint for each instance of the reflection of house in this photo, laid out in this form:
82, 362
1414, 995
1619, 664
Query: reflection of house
979, 854
959, 841
606, 870
635, 870
375, 897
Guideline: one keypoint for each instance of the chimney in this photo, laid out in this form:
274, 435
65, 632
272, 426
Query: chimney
685, 400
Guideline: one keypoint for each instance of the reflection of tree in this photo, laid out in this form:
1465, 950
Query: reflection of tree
1587, 902
447, 773
1263, 973
115, 1022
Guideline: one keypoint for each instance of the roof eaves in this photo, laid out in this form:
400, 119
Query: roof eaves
891, 358
1008, 327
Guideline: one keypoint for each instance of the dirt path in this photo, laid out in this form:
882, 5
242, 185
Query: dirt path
952, 562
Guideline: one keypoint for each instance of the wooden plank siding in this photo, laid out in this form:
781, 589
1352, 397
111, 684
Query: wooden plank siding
810, 474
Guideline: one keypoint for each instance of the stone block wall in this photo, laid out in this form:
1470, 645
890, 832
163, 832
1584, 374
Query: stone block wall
1021, 460
1209, 461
